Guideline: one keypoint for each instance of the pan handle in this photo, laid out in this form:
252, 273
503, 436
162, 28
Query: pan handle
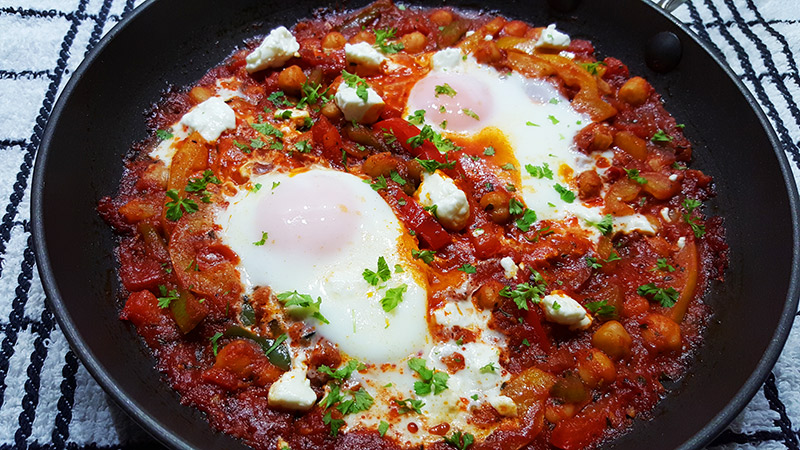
669, 5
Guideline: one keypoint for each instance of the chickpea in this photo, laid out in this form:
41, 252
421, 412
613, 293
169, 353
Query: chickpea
363, 36
613, 339
594, 137
380, 164
488, 52
333, 41
495, 203
589, 184
488, 295
515, 28
635, 91
331, 111
291, 79
441, 17
595, 368
661, 333
414, 42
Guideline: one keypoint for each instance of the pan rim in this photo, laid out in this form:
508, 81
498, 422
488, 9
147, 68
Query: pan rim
77, 343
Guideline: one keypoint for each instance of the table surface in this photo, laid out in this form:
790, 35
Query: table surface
49, 401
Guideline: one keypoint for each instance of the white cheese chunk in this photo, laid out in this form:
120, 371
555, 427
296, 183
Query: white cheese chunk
277, 48
364, 55
292, 391
504, 405
673, 177
355, 108
210, 118
447, 59
562, 309
681, 242
452, 207
552, 38
665, 214
633, 222
510, 269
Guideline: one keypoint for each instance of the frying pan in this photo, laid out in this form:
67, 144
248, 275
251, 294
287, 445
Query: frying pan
172, 43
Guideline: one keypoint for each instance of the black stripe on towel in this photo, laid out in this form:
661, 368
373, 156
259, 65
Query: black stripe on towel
66, 401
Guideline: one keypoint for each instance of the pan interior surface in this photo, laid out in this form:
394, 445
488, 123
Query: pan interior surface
101, 113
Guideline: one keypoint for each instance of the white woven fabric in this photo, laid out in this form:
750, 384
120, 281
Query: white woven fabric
48, 400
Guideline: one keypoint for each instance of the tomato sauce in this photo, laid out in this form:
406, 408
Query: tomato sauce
573, 389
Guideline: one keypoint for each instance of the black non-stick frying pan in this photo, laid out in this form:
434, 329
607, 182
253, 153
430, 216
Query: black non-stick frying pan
172, 43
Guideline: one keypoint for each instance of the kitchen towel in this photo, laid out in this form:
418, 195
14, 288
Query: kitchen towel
49, 401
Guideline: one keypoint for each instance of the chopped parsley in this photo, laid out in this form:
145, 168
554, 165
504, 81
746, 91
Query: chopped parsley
665, 296
335, 424
662, 264
553, 119
508, 166
378, 184
425, 255
459, 440
278, 98
275, 344
243, 147
431, 381
431, 165
633, 174
358, 83
566, 195
311, 94
691, 204
393, 297
540, 172
264, 237
526, 291
470, 113
382, 35
410, 404
432, 209
343, 372
275, 184
445, 89
397, 178
592, 262
214, 340
614, 256
417, 118
515, 206
166, 297
383, 273
442, 144
383, 427
200, 184
592, 67
661, 136
531, 124
601, 308
178, 205
256, 187
489, 368
528, 218
467, 268
304, 302
488, 151
267, 129
605, 226
554, 101
164, 134
302, 146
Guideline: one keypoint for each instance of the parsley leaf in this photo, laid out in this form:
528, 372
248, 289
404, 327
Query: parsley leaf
592, 262
542, 171
525, 291
592, 67
691, 204
311, 94
378, 184
383, 273
166, 297
355, 81
214, 340
442, 144
360, 400
553, 119
662, 264
425, 255
417, 118
661, 136
432, 381
470, 113
303, 302
515, 206
445, 89
397, 178
488, 151
508, 166
278, 98
164, 134
410, 404
242, 147
335, 424
489, 368
614, 256
343, 372
601, 308
528, 218
178, 205
383, 427
633, 174
605, 226
431, 165
459, 440
566, 195
468, 268
393, 297
665, 296
267, 129
382, 35
303, 146
264, 237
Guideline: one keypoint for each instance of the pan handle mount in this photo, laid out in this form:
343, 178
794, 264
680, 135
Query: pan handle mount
669, 5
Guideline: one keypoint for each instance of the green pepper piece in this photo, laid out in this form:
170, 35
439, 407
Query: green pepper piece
278, 356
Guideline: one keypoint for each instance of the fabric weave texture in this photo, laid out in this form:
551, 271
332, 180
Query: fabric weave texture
47, 398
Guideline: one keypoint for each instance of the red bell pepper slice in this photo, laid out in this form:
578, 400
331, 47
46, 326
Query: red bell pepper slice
404, 131
425, 227
533, 318
327, 136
